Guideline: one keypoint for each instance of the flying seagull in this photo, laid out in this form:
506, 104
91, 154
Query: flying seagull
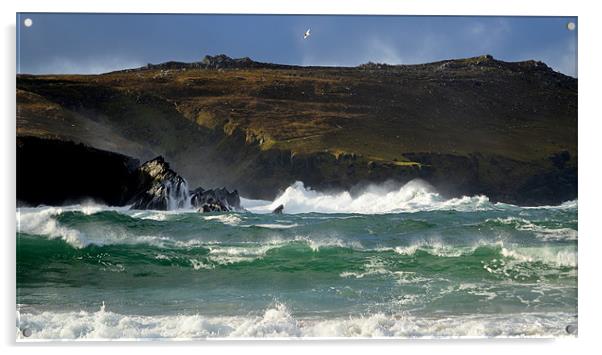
307, 34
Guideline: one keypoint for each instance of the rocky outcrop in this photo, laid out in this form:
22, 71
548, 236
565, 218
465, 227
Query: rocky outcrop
216, 200
220, 61
157, 187
223, 61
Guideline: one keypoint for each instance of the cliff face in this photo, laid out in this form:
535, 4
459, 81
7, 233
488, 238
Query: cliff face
468, 126
57, 173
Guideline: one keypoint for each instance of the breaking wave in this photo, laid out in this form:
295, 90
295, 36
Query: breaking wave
279, 321
414, 196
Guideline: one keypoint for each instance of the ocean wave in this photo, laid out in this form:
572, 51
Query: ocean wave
279, 321
440, 249
560, 256
235, 220
274, 225
546, 255
415, 195
154, 215
248, 252
572, 204
212, 253
43, 221
543, 232
436, 248
229, 219
511, 263
376, 266
84, 226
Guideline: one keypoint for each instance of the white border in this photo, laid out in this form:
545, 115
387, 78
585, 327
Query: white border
590, 235
374, 7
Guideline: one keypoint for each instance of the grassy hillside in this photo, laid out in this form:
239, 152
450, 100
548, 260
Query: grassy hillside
473, 125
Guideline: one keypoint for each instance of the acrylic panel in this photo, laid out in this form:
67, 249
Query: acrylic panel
193, 176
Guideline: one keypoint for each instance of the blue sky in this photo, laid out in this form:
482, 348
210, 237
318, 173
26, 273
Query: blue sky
95, 43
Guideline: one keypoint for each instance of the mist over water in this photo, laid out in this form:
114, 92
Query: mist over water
382, 262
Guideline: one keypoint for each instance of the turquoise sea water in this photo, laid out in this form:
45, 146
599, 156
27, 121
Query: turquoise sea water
427, 267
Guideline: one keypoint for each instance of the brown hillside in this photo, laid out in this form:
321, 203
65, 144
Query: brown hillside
476, 125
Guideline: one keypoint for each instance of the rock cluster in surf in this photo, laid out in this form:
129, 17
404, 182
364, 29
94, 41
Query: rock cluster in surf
215, 200
160, 188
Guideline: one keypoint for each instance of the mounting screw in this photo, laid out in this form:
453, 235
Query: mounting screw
571, 26
571, 329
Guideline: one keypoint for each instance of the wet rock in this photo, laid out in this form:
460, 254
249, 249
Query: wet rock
215, 200
278, 210
157, 187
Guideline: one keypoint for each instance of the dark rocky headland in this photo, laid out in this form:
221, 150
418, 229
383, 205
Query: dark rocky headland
467, 126
54, 172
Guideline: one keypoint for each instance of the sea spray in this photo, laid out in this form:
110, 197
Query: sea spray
277, 321
415, 195
177, 194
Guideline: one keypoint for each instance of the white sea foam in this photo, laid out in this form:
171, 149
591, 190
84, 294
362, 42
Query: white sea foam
245, 252
42, 221
373, 267
434, 248
229, 219
156, 215
235, 220
275, 225
558, 256
547, 255
316, 244
561, 256
199, 264
236, 254
279, 321
563, 206
414, 196
544, 233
